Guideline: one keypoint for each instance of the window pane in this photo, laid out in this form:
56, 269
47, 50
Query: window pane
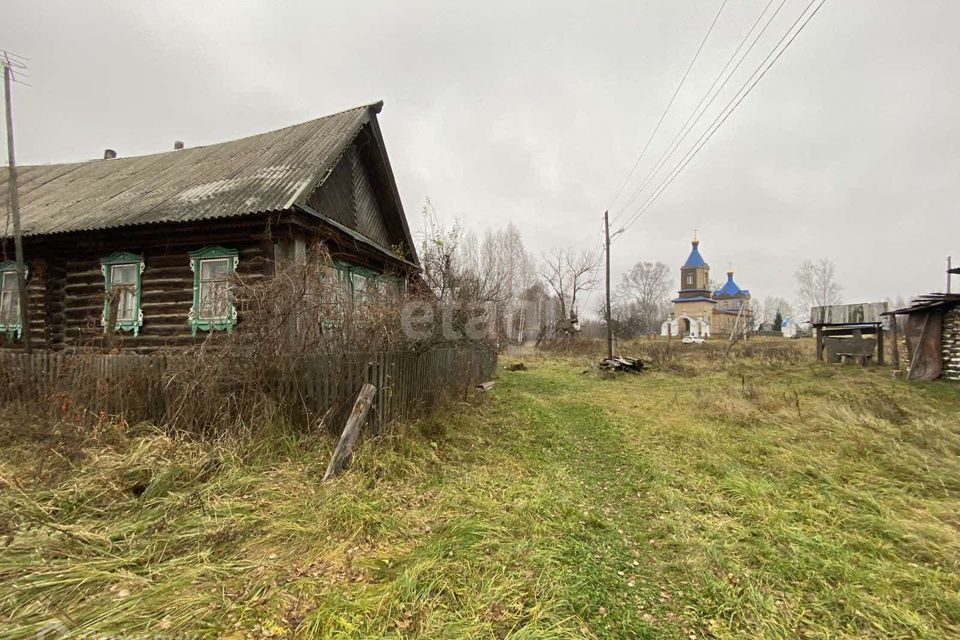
123, 274
126, 300
214, 300
215, 288
9, 300
359, 284
9, 281
8, 305
214, 269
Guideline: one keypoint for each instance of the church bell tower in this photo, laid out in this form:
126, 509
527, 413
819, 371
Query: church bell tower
694, 274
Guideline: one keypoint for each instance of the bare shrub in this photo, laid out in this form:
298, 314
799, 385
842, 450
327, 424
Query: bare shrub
297, 325
303, 351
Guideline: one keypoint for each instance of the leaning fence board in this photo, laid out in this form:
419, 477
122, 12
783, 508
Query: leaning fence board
341, 454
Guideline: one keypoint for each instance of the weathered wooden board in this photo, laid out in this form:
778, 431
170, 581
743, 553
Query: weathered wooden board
922, 335
853, 346
864, 313
344, 448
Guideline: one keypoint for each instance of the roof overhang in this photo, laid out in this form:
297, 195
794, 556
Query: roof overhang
354, 235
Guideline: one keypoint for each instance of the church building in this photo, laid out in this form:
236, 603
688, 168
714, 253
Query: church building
699, 309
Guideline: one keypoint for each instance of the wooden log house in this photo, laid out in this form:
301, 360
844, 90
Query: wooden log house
167, 231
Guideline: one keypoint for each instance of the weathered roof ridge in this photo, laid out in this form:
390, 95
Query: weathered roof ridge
375, 106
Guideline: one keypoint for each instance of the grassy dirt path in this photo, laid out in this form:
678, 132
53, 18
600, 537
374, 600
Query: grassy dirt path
725, 502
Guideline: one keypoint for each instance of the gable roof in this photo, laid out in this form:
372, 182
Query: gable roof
266, 172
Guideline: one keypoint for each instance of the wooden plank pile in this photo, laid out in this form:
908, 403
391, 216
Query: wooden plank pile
621, 363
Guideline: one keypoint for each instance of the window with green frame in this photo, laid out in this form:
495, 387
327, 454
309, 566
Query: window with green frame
121, 281
10, 319
213, 271
334, 295
363, 285
357, 285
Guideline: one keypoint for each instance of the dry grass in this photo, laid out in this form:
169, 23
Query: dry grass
755, 499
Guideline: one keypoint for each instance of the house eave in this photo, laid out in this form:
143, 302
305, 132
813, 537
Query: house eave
354, 235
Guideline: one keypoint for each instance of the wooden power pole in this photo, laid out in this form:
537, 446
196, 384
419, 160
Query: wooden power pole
606, 234
949, 271
14, 205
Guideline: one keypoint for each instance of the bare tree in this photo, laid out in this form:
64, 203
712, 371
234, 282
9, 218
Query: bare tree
774, 304
494, 269
553, 271
646, 289
458, 265
569, 274
816, 283
584, 270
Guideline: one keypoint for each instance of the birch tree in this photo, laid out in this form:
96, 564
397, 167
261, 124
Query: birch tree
817, 283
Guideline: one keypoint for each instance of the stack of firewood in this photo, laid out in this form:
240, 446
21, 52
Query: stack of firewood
950, 341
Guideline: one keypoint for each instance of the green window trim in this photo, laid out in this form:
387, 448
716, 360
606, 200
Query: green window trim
107, 267
228, 319
12, 329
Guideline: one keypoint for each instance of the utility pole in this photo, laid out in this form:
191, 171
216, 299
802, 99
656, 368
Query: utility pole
949, 271
606, 234
14, 205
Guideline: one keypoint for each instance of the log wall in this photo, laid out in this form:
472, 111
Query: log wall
66, 286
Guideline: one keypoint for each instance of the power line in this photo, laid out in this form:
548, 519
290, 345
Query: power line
17, 65
669, 104
723, 116
684, 131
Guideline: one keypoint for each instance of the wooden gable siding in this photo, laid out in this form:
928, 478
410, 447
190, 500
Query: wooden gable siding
66, 284
369, 215
349, 196
335, 198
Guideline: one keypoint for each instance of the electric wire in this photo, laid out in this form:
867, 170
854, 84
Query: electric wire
663, 115
684, 130
728, 110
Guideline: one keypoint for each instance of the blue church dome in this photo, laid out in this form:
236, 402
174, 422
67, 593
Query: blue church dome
730, 289
695, 259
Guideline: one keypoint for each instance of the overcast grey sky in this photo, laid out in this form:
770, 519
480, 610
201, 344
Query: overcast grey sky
534, 113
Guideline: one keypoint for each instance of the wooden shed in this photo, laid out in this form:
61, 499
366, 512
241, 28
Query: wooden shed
932, 335
167, 230
843, 331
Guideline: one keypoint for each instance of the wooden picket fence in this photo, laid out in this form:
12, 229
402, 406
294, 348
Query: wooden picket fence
140, 387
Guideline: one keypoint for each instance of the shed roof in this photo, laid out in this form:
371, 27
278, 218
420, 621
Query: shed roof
929, 301
848, 314
265, 172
